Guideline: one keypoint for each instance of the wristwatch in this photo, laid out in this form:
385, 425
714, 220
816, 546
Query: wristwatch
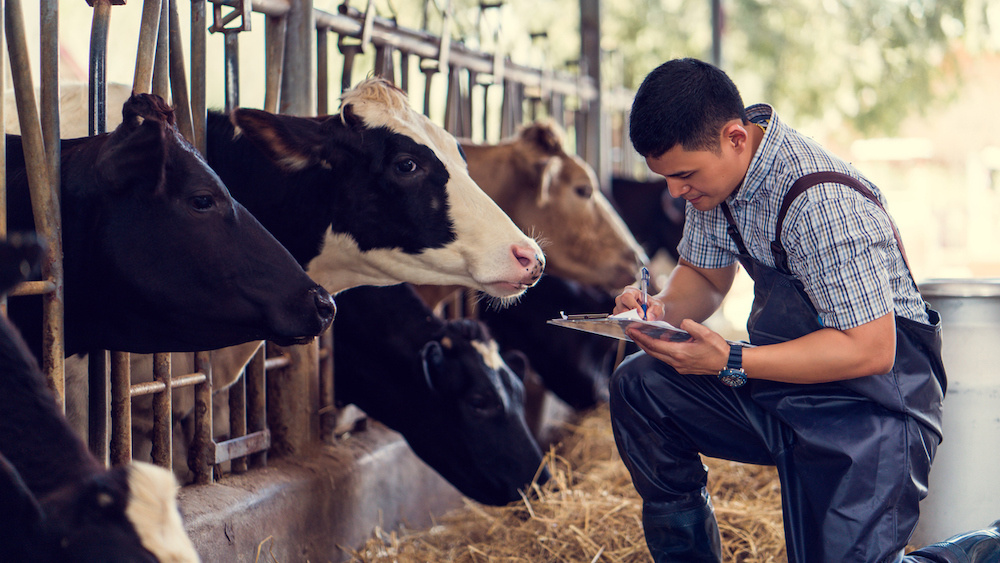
733, 374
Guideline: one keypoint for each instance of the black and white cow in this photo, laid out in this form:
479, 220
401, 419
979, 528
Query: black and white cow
442, 384
58, 503
158, 257
574, 365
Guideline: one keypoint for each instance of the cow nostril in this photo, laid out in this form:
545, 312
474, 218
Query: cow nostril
526, 257
325, 305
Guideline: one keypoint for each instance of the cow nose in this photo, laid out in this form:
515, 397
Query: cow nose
325, 306
526, 256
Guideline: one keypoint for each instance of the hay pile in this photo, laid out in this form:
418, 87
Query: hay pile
588, 513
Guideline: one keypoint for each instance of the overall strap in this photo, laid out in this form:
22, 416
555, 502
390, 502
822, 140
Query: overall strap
808, 181
733, 232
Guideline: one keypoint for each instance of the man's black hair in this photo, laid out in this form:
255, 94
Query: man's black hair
685, 102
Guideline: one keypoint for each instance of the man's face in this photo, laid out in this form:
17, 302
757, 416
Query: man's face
703, 177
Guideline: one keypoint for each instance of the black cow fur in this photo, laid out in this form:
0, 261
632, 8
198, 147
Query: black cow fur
421, 376
655, 218
158, 257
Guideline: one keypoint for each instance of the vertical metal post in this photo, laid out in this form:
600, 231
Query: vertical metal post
98, 396
238, 419
232, 68
163, 452
121, 408
274, 53
44, 198
256, 402
145, 53
202, 454
98, 83
199, 33
297, 88
49, 31
322, 71
178, 76
327, 399
161, 58
590, 65
717, 33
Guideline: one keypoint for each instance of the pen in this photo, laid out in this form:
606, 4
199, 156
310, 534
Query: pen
644, 285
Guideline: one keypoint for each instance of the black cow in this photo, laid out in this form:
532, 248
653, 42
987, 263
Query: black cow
157, 256
655, 218
442, 385
574, 365
58, 503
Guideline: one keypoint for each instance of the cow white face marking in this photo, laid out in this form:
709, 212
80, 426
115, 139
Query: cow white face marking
152, 510
490, 353
489, 253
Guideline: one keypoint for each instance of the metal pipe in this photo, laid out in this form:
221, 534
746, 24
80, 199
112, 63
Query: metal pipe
322, 72
257, 404
44, 199
49, 76
178, 77
121, 409
203, 445
274, 55
199, 113
161, 54
98, 83
231, 41
98, 397
162, 453
238, 420
149, 29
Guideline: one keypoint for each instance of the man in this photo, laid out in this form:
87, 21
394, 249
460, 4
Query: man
842, 388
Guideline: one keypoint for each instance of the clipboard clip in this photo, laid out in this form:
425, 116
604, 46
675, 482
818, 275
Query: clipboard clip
588, 316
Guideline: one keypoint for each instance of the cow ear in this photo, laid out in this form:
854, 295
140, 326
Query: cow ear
432, 360
21, 532
349, 118
518, 363
543, 136
134, 155
292, 143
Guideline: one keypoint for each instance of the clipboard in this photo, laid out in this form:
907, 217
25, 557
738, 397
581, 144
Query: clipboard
614, 326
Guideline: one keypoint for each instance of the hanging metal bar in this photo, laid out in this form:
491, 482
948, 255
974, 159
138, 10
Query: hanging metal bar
274, 55
149, 29
98, 83
98, 397
199, 35
178, 76
322, 72
161, 55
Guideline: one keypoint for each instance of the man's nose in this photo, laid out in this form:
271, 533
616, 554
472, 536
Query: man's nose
677, 188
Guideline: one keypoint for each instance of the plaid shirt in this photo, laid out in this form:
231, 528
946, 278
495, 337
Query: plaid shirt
840, 245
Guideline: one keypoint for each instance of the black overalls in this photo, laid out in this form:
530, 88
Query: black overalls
853, 457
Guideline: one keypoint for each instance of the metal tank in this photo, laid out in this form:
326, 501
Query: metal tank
964, 482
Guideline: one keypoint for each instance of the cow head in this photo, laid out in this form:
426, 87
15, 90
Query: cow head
127, 514
404, 207
177, 264
490, 454
555, 196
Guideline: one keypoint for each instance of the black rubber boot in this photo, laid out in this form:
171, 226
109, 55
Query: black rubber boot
981, 546
683, 531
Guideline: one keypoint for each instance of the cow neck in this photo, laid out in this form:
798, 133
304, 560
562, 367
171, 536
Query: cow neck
34, 435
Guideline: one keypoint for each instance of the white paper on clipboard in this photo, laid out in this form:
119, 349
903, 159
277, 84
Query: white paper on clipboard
614, 326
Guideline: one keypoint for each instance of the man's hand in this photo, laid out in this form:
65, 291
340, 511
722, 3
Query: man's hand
631, 298
706, 353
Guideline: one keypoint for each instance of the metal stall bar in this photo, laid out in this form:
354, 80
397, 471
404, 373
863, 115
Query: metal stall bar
44, 203
178, 76
145, 53
160, 84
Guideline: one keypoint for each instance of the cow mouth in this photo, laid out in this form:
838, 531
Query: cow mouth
505, 288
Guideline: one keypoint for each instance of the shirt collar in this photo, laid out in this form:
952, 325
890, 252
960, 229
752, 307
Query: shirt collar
766, 153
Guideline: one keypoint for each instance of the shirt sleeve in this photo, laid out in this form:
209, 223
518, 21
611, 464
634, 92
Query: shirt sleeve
840, 245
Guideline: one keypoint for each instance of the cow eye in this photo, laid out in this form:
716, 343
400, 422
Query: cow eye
406, 166
584, 190
202, 202
483, 404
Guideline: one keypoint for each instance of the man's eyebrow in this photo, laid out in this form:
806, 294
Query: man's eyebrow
677, 174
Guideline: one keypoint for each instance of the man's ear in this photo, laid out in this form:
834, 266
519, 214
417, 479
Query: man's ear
736, 135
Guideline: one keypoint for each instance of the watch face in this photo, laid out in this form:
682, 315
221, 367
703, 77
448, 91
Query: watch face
733, 377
